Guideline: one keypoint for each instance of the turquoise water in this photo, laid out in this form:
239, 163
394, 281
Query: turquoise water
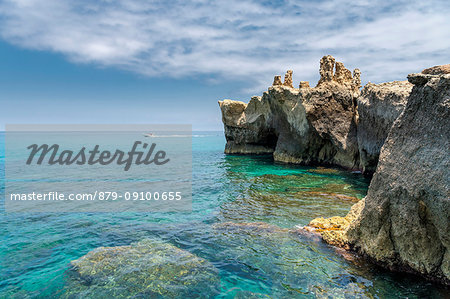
251, 259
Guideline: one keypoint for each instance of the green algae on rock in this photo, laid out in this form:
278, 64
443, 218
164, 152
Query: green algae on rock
148, 268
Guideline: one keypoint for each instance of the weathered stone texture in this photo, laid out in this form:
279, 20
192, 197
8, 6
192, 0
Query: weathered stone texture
304, 84
277, 81
304, 126
405, 224
288, 79
379, 105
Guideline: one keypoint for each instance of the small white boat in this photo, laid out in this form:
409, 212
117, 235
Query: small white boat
149, 135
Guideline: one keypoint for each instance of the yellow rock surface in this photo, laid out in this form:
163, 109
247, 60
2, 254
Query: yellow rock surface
334, 229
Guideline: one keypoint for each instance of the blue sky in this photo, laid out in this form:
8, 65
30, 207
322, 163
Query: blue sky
170, 61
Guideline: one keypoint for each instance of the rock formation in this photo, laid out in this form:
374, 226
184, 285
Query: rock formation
405, 223
437, 70
333, 123
334, 230
400, 129
304, 84
378, 107
305, 126
288, 79
356, 80
342, 75
246, 127
326, 69
147, 269
277, 81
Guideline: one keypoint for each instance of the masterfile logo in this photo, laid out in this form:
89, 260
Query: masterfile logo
91, 168
94, 156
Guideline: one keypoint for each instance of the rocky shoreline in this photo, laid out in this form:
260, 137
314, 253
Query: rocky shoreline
397, 131
333, 123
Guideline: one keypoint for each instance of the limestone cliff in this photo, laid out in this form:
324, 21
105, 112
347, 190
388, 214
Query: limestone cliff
299, 125
378, 107
246, 127
405, 223
316, 125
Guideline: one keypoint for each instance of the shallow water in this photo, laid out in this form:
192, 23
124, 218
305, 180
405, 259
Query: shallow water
251, 260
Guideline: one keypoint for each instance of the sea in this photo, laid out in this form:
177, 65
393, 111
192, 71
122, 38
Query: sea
246, 219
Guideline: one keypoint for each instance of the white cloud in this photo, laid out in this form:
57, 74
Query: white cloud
238, 39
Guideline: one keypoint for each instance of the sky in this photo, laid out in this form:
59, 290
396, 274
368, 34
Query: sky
136, 61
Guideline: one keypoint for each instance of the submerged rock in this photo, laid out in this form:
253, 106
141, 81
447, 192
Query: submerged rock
148, 268
326, 195
351, 290
379, 105
249, 226
405, 224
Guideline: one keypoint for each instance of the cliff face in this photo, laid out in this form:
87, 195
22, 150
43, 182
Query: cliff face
316, 125
405, 223
378, 107
246, 127
299, 125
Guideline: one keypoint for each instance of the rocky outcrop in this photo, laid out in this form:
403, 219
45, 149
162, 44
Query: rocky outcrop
304, 84
334, 230
379, 105
277, 81
288, 79
147, 269
405, 223
326, 69
356, 79
437, 70
246, 127
399, 129
305, 125
333, 123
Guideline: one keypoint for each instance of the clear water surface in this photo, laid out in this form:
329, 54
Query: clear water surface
253, 261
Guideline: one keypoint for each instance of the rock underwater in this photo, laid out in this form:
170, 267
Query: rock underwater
149, 268
317, 125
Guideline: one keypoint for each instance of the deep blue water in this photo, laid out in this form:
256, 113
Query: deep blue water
36, 248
